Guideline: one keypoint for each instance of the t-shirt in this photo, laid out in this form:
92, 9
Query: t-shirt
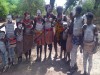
77, 28
89, 32
9, 28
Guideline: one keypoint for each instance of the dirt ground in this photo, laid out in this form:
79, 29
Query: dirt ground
51, 66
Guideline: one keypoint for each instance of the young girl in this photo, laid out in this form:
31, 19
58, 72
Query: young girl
89, 42
19, 43
39, 31
49, 33
3, 50
69, 39
59, 30
28, 35
64, 39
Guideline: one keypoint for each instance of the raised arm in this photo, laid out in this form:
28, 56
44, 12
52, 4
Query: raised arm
2, 26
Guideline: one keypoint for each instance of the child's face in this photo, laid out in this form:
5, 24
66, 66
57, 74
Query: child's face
60, 11
49, 9
65, 25
89, 21
9, 20
77, 13
2, 35
27, 17
38, 13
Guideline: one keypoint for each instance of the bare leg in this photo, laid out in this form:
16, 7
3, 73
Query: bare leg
29, 53
40, 51
50, 48
45, 49
55, 47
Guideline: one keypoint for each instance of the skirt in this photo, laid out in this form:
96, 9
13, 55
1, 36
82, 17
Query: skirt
39, 37
49, 36
19, 48
27, 42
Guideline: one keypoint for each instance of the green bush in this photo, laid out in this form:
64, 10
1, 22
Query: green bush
88, 6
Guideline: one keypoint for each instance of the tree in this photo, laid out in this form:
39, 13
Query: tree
96, 5
52, 2
12, 6
4, 10
69, 3
15, 7
88, 6
31, 6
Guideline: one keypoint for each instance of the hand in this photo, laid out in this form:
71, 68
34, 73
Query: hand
66, 30
94, 50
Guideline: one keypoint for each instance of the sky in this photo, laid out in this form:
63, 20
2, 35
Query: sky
57, 2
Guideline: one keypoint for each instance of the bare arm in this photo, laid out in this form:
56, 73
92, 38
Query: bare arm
2, 26
96, 35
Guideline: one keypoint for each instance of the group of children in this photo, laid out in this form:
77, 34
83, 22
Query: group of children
48, 30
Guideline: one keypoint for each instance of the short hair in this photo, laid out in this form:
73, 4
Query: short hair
78, 9
47, 6
89, 15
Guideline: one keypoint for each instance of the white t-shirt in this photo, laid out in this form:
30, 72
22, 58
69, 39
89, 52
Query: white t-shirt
77, 29
9, 28
89, 33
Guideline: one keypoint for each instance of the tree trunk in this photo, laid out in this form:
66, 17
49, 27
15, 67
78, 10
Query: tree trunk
52, 2
68, 4
97, 2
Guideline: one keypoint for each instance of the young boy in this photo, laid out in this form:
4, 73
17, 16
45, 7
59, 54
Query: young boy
3, 51
76, 38
89, 42
10, 36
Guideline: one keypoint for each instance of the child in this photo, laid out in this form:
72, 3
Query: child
89, 42
19, 43
3, 51
39, 31
64, 39
60, 19
49, 33
28, 35
11, 41
76, 38
69, 38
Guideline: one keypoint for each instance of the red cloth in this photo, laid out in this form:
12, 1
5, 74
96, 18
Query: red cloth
12, 41
49, 36
27, 23
39, 37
